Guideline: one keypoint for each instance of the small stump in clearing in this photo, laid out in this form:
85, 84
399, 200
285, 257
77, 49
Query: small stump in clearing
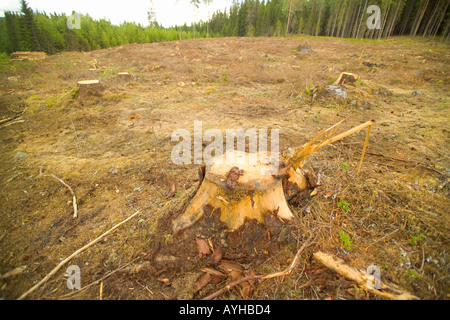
125, 76
90, 87
346, 78
248, 187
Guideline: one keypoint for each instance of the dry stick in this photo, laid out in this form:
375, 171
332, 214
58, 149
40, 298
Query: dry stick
14, 117
309, 148
366, 142
74, 198
264, 277
362, 278
11, 123
23, 296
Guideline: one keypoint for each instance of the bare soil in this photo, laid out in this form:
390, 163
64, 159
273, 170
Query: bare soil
113, 148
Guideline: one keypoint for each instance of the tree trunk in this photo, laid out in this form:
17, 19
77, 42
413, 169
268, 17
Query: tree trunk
419, 18
436, 30
408, 16
431, 19
289, 18
383, 25
361, 20
335, 19
394, 19
344, 23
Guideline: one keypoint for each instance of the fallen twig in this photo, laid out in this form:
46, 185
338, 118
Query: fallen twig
390, 291
23, 296
13, 118
74, 198
11, 123
285, 272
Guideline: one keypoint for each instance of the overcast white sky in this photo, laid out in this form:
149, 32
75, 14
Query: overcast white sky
117, 11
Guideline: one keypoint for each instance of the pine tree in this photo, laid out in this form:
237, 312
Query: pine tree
29, 28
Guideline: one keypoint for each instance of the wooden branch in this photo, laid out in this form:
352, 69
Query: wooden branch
9, 121
74, 198
298, 156
23, 296
386, 291
7, 124
285, 272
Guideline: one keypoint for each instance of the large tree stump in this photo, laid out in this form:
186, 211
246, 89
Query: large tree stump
250, 187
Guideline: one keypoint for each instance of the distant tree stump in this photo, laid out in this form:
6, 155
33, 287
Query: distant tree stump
243, 189
27, 55
124, 76
90, 87
346, 77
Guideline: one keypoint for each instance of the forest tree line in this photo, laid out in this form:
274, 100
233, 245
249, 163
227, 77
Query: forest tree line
28, 30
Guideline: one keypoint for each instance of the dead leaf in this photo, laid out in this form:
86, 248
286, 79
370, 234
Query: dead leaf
232, 256
248, 286
214, 272
235, 275
329, 194
227, 266
203, 247
202, 282
217, 254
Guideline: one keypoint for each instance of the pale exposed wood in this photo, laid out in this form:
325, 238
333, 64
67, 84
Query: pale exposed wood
28, 55
257, 168
346, 77
90, 87
88, 83
297, 178
255, 193
124, 75
387, 291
